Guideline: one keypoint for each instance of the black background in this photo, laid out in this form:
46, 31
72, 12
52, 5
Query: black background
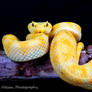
16, 14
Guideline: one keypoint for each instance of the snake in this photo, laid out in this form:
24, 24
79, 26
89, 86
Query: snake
35, 46
65, 49
65, 52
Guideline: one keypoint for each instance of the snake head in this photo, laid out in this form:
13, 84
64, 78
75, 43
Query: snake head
74, 28
40, 27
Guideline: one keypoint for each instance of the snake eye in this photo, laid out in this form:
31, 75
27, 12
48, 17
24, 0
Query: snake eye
47, 25
33, 24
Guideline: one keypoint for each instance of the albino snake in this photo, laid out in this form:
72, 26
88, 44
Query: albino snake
64, 50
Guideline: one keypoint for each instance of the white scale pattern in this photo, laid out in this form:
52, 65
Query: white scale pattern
32, 54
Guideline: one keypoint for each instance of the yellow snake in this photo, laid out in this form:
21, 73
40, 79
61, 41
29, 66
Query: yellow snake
64, 50
35, 45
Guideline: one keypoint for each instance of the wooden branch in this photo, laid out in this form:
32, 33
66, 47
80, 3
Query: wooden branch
39, 68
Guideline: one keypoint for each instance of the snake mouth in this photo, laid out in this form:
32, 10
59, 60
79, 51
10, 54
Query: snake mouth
39, 30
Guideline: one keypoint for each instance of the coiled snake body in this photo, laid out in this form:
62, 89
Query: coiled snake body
35, 46
64, 50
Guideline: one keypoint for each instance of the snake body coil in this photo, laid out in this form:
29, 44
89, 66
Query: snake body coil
35, 46
64, 50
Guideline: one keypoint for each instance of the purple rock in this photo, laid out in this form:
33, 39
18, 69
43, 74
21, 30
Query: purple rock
89, 49
90, 56
83, 51
27, 72
83, 58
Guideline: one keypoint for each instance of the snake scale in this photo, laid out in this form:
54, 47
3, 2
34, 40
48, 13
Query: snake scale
35, 45
65, 50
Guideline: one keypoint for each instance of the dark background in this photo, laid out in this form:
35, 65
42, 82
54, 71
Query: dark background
16, 14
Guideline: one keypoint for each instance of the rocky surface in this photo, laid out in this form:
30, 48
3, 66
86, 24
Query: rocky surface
39, 68
86, 55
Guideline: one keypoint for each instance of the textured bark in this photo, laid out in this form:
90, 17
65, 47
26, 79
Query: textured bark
39, 68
